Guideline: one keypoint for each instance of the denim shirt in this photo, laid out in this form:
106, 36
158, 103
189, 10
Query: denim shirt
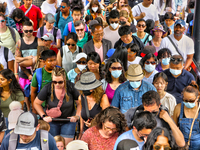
126, 97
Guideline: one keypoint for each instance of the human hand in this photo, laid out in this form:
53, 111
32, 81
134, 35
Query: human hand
87, 123
73, 118
30, 77
168, 9
164, 115
47, 119
142, 15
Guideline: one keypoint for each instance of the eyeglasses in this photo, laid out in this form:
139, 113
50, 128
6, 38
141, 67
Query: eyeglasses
99, 34
142, 136
189, 101
116, 68
81, 62
59, 82
158, 147
114, 22
150, 62
2, 21
62, 7
77, 30
113, 129
130, 53
176, 60
124, 5
68, 44
26, 31
141, 25
45, 40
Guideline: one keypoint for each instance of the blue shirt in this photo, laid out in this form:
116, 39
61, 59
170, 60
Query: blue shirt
127, 135
145, 38
10, 22
72, 75
126, 97
176, 85
33, 145
62, 22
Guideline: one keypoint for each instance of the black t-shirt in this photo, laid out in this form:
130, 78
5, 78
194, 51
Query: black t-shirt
67, 108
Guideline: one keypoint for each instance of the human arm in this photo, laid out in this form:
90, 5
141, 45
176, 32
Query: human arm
188, 61
116, 99
176, 114
17, 5
33, 96
27, 61
142, 15
104, 102
78, 112
17, 54
59, 59
40, 22
178, 136
11, 65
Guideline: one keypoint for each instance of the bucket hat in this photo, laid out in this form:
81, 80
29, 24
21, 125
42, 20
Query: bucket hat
134, 72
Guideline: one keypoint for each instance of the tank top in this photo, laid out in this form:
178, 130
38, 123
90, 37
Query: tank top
28, 50
95, 110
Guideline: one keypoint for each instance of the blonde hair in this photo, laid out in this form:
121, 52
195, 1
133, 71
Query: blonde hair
59, 72
44, 125
124, 13
1, 67
59, 138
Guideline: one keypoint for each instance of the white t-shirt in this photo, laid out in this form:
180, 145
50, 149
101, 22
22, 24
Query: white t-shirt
2, 58
10, 5
151, 12
136, 61
169, 101
111, 35
159, 9
185, 45
48, 8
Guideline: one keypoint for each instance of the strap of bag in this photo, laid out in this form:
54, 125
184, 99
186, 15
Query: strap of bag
197, 112
146, 38
28, 10
12, 31
139, 8
61, 98
86, 107
44, 140
41, 31
61, 52
57, 19
55, 33
6, 55
174, 46
12, 141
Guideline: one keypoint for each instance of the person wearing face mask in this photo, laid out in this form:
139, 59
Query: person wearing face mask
114, 77
92, 92
81, 64
164, 56
151, 103
178, 78
142, 124
111, 32
129, 94
148, 63
185, 112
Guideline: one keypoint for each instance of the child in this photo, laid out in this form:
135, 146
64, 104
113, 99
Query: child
60, 142
160, 82
44, 125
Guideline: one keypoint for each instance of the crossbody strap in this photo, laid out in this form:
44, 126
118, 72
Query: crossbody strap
28, 10
86, 107
61, 98
174, 46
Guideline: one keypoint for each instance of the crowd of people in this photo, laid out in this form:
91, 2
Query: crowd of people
98, 74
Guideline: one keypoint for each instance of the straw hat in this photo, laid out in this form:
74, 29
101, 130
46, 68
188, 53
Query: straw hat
134, 72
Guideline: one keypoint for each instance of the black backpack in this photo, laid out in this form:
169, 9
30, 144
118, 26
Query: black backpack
6, 54
54, 32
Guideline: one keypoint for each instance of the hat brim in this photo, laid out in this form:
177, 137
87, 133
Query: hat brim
80, 86
134, 78
157, 29
24, 131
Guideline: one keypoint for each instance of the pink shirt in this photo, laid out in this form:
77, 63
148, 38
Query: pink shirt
99, 51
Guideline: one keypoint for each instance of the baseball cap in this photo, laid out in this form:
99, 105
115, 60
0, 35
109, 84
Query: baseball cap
110, 52
26, 124
128, 144
77, 145
181, 22
50, 18
48, 37
93, 22
79, 56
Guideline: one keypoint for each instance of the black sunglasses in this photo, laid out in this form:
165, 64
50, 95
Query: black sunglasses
116, 68
59, 82
114, 22
68, 44
176, 60
141, 25
81, 62
26, 31
150, 62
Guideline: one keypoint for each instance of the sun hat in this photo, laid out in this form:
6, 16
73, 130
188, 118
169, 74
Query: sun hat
50, 18
88, 81
128, 144
26, 124
79, 56
77, 145
48, 37
134, 72
158, 27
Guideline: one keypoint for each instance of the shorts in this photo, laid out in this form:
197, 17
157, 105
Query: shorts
66, 130
23, 82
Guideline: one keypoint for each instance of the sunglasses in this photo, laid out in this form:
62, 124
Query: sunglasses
62, 7
77, 30
68, 44
81, 62
150, 62
45, 40
114, 22
26, 31
59, 82
2, 21
141, 25
116, 68
158, 147
189, 101
130, 53
124, 5
176, 60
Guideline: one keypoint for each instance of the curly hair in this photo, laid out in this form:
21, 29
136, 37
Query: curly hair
152, 138
19, 14
59, 72
111, 114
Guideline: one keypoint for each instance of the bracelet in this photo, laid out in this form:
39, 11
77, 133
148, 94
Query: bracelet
43, 116
15, 73
78, 117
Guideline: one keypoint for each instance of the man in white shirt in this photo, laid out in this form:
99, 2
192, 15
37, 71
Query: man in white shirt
145, 10
184, 44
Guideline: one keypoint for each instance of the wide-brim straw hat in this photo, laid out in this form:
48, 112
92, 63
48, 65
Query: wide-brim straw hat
88, 81
134, 72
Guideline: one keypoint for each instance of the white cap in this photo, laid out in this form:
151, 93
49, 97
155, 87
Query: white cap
48, 37
79, 56
76, 145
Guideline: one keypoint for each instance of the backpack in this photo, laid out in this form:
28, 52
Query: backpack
61, 51
57, 18
6, 54
44, 143
12, 31
54, 32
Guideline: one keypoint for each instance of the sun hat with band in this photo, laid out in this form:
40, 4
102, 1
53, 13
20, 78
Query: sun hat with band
158, 28
88, 81
134, 72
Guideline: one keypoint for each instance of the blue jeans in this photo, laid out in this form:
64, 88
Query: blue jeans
66, 130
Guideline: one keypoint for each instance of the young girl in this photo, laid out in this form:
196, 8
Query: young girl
160, 82
60, 142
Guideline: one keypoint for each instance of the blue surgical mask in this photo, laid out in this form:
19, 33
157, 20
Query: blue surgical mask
165, 61
192, 10
175, 72
116, 73
150, 67
135, 84
189, 105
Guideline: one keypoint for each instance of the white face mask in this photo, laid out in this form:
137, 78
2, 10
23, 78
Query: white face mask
95, 9
81, 67
114, 25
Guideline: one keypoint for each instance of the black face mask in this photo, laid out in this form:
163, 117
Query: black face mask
142, 138
87, 92
122, 22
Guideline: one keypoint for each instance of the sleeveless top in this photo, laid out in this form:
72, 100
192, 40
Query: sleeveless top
95, 110
28, 50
